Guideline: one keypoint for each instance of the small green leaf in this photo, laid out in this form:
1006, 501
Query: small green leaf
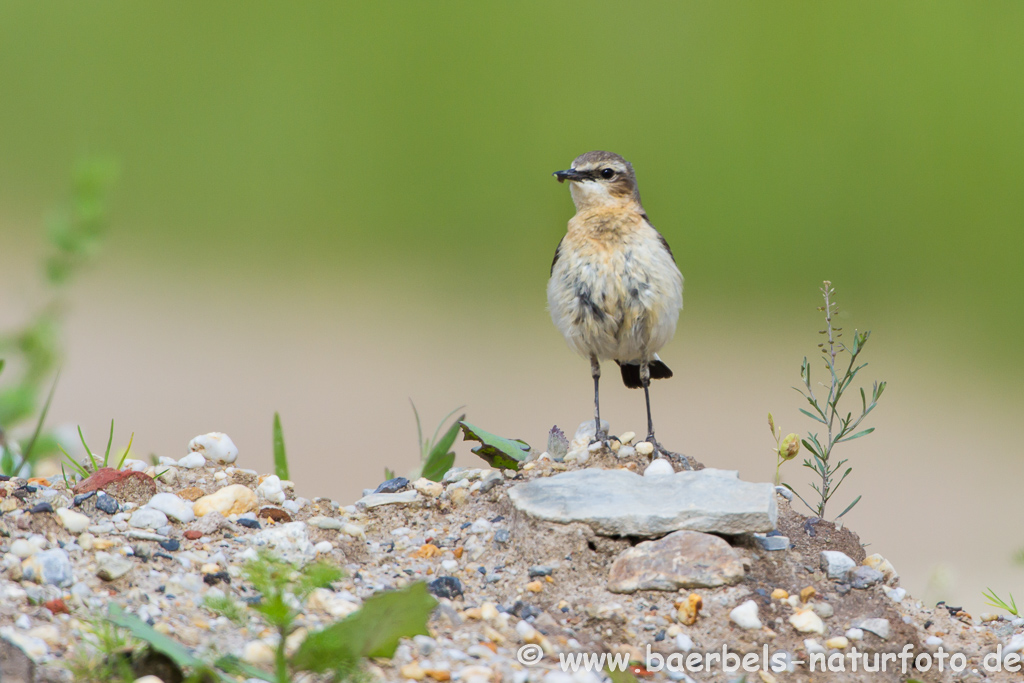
498, 451
233, 665
27, 455
850, 506
858, 435
158, 641
280, 456
441, 459
128, 450
110, 442
373, 631
813, 416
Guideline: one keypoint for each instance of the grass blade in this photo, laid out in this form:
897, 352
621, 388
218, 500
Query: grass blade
95, 465
127, 451
27, 455
110, 441
850, 506
280, 456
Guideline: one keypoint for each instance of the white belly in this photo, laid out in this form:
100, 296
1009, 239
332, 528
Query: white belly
620, 304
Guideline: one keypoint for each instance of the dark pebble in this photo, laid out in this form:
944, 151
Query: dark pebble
216, 577
809, 527
482, 570
502, 536
409, 572
659, 636
28, 488
524, 610
393, 485
388, 547
248, 523
165, 556
466, 525
497, 519
41, 507
171, 544
762, 592
445, 587
864, 577
82, 497
107, 504
774, 532
843, 588
539, 570
5, 477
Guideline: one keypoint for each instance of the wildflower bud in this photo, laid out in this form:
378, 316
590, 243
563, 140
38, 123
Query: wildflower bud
771, 423
790, 446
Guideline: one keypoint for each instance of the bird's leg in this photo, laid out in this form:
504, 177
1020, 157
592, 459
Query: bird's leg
595, 370
645, 380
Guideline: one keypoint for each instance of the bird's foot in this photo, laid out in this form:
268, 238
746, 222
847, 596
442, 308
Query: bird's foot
666, 453
600, 437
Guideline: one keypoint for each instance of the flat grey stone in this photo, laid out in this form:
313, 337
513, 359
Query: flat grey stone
112, 567
880, 627
836, 564
683, 559
864, 577
771, 543
377, 499
621, 503
49, 566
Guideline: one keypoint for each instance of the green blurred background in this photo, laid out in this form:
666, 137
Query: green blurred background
327, 208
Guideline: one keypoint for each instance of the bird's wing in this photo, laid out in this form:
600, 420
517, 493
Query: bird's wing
661, 238
558, 252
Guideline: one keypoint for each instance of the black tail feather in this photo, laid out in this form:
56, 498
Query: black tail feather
631, 373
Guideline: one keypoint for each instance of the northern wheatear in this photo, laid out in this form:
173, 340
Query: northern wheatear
615, 292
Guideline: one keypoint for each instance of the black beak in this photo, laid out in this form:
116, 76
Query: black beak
569, 174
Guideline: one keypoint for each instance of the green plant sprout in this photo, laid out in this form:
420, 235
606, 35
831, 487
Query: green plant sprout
81, 470
280, 456
826, 410
436, 456
338, 649
994, 600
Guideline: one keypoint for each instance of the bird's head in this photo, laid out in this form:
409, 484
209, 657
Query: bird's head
600, 179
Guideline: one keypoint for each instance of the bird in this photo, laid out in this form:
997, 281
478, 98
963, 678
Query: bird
615, 291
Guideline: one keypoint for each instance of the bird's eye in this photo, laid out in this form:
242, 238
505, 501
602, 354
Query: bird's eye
607, 173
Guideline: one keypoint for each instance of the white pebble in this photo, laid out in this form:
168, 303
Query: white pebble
627, 437
215, 446
135, 465
896, 594
75, 522
270, 489
855, 634
192, 461
645, 448
933, 641
806, 621
147, 518
174, 507
745, 616
626, 452
684, 642
659, 467
323, 547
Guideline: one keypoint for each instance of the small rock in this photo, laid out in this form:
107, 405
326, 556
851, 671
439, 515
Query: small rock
896, 594
126, 485
329, 523
585, 433
645, 448
683, 559
836, 564
431, 489
837, 643
784, 492
112, 567
393, 485
535, 586
248, 523
806, 621
107, 504
233, 499
806, 594
626, 452
779, 594
745, 616
192, 461
191, 493
404, 498
40, 507
502, 536
193, 534
258, 652
446, 587
215, 446
271, 490
75, 522
170, 545
823, 609
49, 567
864, 577
855, 634
276, 514
458, 497
684, 643
813, 647
658, 466
880, 627
883, 565
174, 507
772, 543
539, 570
147, 518
19, 652
933, 641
